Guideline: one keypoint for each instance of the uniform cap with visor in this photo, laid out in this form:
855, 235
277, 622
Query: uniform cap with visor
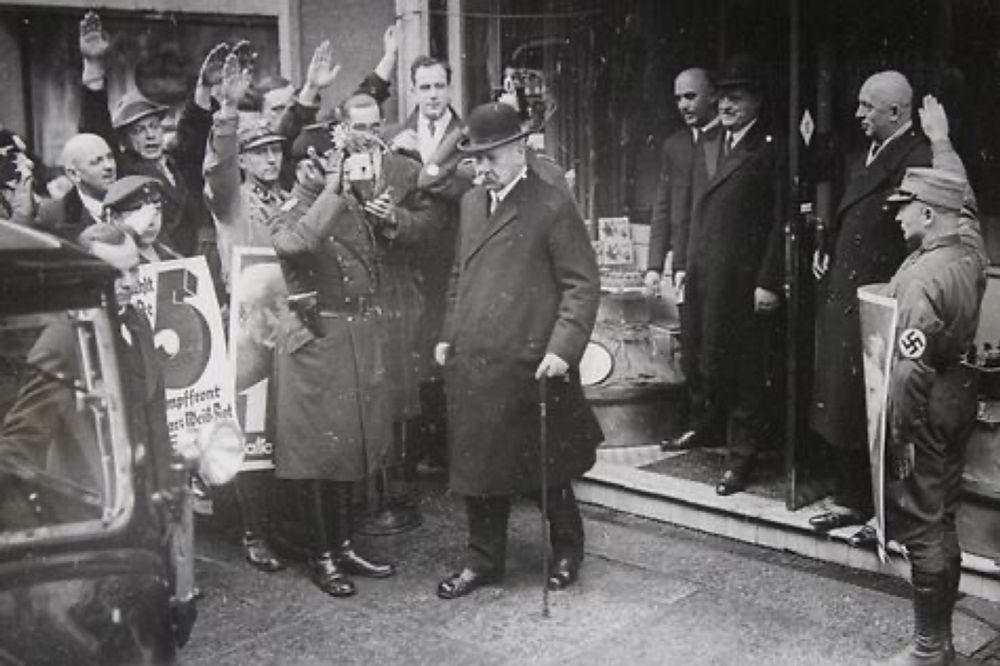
933, 187
132, 192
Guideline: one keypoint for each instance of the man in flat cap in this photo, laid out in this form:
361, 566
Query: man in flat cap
133, 129
521, 307
734, 278
932, 397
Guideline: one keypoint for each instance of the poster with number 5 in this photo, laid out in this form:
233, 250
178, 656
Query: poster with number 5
257, 305
179, 299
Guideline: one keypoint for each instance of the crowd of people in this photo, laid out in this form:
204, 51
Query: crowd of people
448, 258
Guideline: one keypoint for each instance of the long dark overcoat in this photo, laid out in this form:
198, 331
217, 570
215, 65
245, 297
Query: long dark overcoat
867, 247
734, 246
334, 418
525, 284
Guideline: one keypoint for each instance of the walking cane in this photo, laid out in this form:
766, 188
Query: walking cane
544, 436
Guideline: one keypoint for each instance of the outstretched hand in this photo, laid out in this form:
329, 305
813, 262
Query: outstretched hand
211, 68
322, 69
390, 43
94, 40
234, 81
933, 119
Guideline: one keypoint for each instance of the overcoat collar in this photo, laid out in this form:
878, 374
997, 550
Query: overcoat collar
865, 180
742, 152
483, 227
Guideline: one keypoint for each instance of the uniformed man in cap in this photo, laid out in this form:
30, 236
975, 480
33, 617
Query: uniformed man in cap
932, 396
242, 164
134, 130
135, 205
333, 413
522, 305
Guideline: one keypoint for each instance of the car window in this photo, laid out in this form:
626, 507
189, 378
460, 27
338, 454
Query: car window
64, 454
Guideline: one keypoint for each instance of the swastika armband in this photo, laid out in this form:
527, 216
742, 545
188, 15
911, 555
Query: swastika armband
912, 343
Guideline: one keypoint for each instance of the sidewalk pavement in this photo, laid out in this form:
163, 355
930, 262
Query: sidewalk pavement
649, 593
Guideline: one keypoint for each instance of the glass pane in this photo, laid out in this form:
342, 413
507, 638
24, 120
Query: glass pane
58, 459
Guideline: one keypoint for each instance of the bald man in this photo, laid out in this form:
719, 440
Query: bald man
863, 245
695, 96
90, 166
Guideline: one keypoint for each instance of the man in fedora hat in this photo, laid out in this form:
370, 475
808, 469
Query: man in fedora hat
932, 396
734, 276
133, 129
522, 304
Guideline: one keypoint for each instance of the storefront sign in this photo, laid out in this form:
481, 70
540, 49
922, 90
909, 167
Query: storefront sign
256, 307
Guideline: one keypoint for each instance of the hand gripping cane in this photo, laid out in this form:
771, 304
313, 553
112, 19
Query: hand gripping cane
543, 445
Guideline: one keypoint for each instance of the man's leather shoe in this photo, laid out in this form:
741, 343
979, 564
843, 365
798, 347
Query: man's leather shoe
349, 561
690, 439
462, 583
831, 520
733, 481
259, 554
866, 537
564, 572
329, 578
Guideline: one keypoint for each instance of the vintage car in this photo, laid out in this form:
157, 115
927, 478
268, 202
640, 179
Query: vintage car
96, 556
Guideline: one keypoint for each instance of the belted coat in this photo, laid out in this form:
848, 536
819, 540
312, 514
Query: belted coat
525, 283
867, 247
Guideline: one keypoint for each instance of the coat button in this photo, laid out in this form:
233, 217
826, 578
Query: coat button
852, 276
857, 240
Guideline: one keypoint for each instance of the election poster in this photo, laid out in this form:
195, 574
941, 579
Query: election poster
257, 306
178, 298
878, 330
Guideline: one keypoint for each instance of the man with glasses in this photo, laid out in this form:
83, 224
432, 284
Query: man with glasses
863, 246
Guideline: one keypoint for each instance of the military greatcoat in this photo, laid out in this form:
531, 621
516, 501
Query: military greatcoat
332, 390
868, 247
525, 284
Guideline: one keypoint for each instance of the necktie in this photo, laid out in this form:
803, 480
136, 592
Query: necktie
431, 128
729, 143
492, 203
873, 152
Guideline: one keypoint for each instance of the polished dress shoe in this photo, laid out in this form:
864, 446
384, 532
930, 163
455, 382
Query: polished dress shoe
260, 555
831, 520
462, 583
349, 561
564, 572
690, 439
329, 577
866, 537
733, 481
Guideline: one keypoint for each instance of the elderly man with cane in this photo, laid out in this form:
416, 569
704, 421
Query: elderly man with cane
521, 306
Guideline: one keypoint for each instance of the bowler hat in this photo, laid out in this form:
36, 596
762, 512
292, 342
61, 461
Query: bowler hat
130, 191
133, 107
491, 125
931, 186
740, 71
315, 136
257, 134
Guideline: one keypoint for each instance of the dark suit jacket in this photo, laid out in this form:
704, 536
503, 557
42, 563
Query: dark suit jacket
65, 217
867, 247
671, 215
